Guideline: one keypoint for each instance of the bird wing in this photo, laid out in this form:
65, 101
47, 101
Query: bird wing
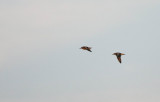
89, 50
119, 59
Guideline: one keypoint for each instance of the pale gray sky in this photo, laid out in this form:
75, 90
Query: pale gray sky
40, 59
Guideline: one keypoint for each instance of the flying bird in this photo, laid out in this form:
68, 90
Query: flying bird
118, 54
86, 48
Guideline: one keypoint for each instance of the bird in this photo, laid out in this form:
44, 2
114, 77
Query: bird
86, 48
118, 54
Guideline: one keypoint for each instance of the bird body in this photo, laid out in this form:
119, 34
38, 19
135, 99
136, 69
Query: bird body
118, 54
86, 48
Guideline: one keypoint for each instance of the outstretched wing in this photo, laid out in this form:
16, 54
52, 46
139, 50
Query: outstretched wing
119, 59
89, 50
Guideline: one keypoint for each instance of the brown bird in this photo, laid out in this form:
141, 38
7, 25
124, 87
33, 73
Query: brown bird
86, 48
118, 56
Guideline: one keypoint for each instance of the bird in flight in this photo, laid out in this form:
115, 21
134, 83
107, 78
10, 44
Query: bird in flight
118, 54
86, 48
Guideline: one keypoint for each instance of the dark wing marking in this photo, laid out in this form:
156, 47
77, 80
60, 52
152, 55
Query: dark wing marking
89, 50
119, 59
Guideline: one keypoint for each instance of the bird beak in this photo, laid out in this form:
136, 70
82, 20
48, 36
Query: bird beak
113, 54
122, 54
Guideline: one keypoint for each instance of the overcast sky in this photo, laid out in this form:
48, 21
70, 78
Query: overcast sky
40, 59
